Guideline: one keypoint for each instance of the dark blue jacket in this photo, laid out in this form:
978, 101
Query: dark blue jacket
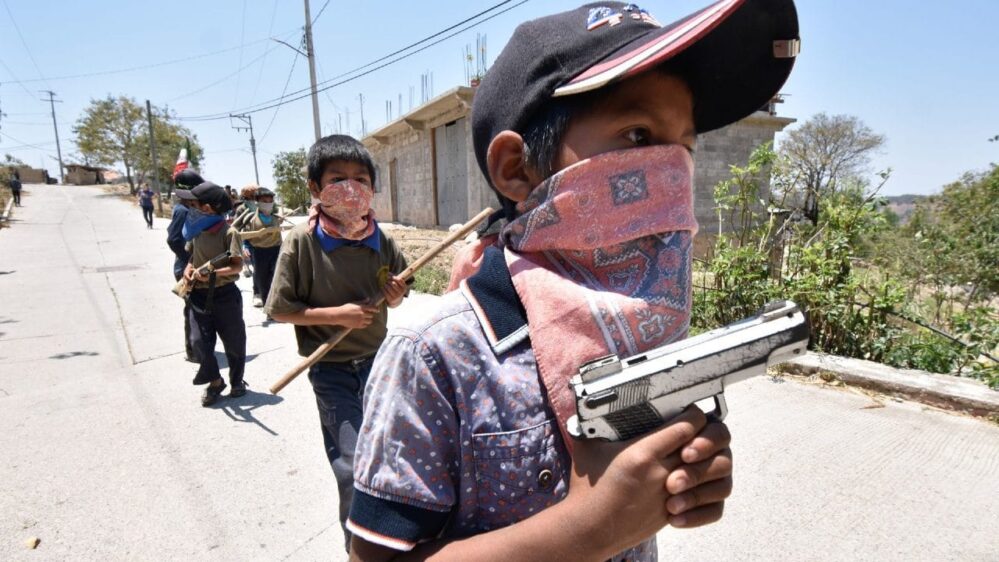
175, 239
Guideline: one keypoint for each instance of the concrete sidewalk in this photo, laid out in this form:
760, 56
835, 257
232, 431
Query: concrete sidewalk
108, 454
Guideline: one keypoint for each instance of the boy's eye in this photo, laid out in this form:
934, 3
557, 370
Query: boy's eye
638, 136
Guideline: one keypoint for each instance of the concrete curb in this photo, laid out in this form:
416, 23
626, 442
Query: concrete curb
941, 391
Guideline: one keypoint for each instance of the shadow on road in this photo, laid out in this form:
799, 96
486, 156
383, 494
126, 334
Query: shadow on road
71, 354
224, 362
241, 409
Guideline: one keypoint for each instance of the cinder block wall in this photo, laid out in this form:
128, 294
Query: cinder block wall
414, 181
719, 149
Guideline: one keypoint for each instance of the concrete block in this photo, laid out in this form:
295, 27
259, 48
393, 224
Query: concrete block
943, 391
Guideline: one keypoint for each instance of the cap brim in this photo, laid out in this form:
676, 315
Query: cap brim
736, 55
185, 194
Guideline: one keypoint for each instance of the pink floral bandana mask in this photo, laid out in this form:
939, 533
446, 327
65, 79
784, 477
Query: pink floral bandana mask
343, 209
600, 256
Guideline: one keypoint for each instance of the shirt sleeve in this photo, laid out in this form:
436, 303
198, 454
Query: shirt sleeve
406, 463
398, 262
284, 297
235, 244
175, 237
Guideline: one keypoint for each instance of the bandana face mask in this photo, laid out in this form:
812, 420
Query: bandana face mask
344, 210
600, 256
266, 208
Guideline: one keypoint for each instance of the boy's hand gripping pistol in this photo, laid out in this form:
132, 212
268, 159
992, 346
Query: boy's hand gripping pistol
619, 399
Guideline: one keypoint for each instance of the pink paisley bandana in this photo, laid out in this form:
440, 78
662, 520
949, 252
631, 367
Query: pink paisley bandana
344, 210
601, 258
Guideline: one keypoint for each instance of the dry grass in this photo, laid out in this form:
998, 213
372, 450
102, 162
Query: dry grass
414, 242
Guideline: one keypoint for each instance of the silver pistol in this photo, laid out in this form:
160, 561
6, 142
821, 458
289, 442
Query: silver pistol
617, 399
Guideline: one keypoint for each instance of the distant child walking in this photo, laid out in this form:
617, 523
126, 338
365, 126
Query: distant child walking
15, 188
263, 249
145, 196
216, 306
328, 271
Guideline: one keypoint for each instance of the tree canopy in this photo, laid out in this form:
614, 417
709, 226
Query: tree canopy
289, 178
115, 131
825, 153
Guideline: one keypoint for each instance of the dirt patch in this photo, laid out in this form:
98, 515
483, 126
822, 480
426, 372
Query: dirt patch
415, 242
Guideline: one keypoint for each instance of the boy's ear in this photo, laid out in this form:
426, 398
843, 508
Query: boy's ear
508, 169
313, 187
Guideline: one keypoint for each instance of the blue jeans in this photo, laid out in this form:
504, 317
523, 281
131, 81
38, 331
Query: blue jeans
339, 389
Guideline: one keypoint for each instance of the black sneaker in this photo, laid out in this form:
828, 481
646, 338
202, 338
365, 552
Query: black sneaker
238, 389
212, 394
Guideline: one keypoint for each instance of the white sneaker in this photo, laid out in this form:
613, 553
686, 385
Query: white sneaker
257, 301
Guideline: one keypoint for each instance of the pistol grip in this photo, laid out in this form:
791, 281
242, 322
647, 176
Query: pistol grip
721, 408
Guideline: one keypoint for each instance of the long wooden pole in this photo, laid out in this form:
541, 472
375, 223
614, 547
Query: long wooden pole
342, 332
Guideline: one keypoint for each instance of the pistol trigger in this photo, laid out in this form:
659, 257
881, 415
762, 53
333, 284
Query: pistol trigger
721, 408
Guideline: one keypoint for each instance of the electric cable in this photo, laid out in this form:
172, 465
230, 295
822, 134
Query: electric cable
307, 91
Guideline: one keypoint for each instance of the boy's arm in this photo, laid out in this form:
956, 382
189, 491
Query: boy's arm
395, 289
616, 500
285, 302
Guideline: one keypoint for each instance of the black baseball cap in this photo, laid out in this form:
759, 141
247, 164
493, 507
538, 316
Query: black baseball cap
208, 192
263, 192
187, 178
734, 54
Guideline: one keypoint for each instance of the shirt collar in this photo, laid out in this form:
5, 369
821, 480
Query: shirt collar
495, 302
330, 243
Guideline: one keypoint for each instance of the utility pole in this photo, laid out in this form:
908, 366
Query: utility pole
248, 119
310, 49
52, 101
156, 163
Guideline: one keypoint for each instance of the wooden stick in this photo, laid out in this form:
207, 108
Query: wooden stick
406, 275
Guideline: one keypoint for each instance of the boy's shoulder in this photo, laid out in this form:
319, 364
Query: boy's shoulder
451, 314
298, 234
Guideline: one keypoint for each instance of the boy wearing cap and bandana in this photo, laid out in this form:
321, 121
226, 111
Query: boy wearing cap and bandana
262, 250
216, 306
585, 127
185, 179
328, 271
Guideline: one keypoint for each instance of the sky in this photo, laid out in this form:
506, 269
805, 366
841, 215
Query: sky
921, 73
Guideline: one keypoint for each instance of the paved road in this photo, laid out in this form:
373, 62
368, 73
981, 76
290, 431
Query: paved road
107, 454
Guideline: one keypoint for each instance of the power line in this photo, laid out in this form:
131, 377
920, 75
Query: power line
15, 80
223, 79
321, 10
278, 108
276, 102
26, 144
141, 67
25, 43
260, 75
239, 73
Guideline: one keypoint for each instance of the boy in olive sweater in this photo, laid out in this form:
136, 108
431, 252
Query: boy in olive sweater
328, 271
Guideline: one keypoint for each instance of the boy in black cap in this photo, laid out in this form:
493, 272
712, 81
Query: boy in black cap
262, 249
185, 179
585, 128
216, 306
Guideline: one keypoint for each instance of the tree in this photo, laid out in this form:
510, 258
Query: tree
7, 168
116, 130
171, 137
109, 132
823, 153
289, 176
961, 228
